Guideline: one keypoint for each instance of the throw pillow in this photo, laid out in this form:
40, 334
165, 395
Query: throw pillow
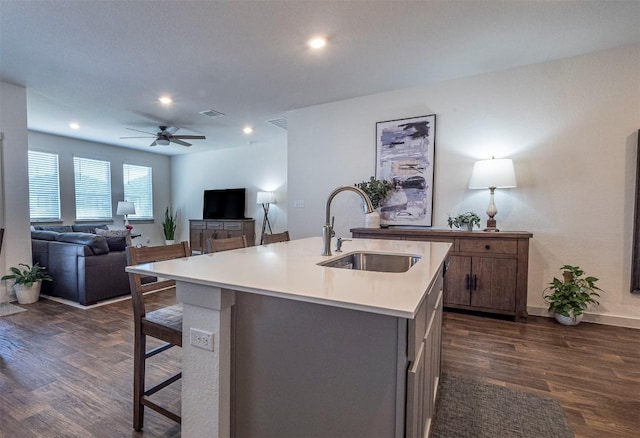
115, 233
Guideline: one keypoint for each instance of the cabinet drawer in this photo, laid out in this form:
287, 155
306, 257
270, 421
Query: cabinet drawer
198, 225
215, 225
235, 226
489, 246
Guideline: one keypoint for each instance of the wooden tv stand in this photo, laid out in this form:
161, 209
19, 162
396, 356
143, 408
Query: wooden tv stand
202, 229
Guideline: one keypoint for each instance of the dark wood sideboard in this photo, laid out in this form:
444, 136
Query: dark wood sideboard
202, 229
487, 271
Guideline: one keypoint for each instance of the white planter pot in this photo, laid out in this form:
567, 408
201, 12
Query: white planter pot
372, 220
169, 242
27, 295
565, 320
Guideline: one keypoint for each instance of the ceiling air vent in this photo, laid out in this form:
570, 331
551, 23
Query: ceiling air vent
211, 113
280, 122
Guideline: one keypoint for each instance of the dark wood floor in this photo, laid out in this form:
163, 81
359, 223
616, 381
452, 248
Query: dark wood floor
66, 372
592, 370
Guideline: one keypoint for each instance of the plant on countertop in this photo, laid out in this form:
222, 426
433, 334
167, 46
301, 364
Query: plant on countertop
169, 224
572, 295
376, 189
469, 219
27, 276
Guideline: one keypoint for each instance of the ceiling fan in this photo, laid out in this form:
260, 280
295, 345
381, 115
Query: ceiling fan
166, 136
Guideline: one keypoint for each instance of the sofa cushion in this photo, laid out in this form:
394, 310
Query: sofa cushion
44, 235
97, 244
116, 234
89, 228
116, 243
57, 228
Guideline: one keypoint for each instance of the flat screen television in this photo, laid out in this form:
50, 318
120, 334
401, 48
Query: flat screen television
223, 204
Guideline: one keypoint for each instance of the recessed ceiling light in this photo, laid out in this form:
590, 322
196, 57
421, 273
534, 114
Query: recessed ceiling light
317, 42
74, 125
165, 100
247, 130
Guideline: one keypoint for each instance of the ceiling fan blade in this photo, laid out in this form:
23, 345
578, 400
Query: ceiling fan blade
171, 130
190, 137
144, 132
153, 144
146, 136
178, 141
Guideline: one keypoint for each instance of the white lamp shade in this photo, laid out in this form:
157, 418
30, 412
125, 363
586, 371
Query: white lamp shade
266, 198
125, 207
496, 173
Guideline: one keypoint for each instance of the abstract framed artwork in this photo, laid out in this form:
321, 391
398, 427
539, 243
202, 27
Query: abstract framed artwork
405, 154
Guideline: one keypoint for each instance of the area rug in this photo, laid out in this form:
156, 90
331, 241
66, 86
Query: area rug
9, 309
469, 408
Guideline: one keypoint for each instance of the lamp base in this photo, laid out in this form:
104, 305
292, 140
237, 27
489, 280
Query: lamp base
491, 225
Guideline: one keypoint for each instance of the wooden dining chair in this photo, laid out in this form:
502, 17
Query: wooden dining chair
217, 245
276, 237
164, 324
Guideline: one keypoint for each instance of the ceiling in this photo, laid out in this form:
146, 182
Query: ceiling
103, 64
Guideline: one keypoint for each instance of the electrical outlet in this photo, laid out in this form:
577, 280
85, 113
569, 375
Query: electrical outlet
298, 203
201, 339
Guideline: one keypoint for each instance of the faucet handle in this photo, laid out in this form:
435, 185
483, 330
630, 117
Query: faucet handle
339, 242
333, 221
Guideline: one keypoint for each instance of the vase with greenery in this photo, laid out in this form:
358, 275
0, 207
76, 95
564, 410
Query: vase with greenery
569, 297
27, 281
377, 190
468, 219
169, 225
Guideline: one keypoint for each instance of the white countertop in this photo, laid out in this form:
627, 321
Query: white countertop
289, 270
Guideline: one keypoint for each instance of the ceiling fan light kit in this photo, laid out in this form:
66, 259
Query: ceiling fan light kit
166, 136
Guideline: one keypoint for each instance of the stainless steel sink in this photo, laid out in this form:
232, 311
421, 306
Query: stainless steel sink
373, 261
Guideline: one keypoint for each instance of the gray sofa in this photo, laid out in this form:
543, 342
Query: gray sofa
86, 268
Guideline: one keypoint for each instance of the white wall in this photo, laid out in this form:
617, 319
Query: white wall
254, 167
67, 148
14, 184
570, 126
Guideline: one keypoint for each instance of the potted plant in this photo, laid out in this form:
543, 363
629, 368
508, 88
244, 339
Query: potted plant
27, 281
469, 219
377, 190
569, 297
169, 226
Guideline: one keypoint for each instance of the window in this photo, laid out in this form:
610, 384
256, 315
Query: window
44, 186
93, 189
138, 188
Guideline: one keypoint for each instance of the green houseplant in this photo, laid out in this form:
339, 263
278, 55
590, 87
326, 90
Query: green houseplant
376, 189
169, 225
569, 297
27, 281
469, 219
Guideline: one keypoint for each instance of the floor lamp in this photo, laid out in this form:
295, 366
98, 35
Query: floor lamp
492, 174
266, 199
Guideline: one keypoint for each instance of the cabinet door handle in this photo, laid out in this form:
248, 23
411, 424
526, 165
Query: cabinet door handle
475, 282
487, 247
468, 279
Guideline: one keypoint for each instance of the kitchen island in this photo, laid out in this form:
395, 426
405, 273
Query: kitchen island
306, 350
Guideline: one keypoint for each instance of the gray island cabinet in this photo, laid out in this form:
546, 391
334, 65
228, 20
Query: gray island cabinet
308, 350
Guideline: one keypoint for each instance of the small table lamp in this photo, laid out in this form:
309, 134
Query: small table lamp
126, 208
265, 198
492, 174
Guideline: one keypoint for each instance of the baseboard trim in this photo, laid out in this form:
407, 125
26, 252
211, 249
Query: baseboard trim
618, 321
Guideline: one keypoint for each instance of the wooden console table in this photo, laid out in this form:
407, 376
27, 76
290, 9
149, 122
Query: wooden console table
202, 229
487, 272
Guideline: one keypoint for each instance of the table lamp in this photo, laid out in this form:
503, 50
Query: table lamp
492, 174
126, 208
